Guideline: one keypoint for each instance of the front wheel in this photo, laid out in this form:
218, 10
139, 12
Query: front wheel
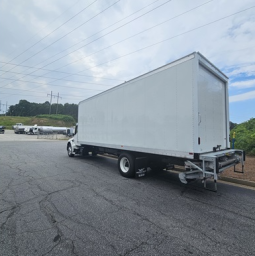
69, 151
126, 165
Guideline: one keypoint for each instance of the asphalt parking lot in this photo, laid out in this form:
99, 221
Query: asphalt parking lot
51, 204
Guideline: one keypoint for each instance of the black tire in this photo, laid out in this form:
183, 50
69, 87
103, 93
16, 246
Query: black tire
84, 152
94, 153
69, 151
126, 165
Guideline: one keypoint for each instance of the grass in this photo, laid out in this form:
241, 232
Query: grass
64, 118
42, 120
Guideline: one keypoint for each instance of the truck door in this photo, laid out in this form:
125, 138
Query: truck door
212, 111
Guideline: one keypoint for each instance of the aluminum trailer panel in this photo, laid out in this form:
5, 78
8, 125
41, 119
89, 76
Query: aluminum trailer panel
213, 113
177, 110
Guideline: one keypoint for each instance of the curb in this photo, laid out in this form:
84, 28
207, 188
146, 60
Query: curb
238, 181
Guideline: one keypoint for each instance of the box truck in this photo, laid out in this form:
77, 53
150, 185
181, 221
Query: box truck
177, 114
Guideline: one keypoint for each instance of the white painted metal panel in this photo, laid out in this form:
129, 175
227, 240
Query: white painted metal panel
151, 114
211, 111
158, 112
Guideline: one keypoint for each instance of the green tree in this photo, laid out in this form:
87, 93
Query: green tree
25, 108
245, 136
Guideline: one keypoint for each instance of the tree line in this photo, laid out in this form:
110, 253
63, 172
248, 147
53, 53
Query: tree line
26, 108
245, 136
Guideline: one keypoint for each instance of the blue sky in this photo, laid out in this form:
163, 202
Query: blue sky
242, 92
80, 48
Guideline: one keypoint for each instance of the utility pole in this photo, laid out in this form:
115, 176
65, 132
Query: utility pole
50, 101
57, 102
54, 96
1, 106
6, 106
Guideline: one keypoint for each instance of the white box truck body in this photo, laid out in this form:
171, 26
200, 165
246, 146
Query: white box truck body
176, 112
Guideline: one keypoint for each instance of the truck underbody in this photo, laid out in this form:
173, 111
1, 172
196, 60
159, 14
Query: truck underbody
135, 164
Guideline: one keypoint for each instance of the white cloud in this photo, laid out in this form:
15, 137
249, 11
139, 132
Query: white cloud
243, 84
228, 43
243, 97
246, 70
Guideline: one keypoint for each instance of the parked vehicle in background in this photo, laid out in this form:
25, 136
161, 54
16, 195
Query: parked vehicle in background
177, 114
32, 130
51, 129
59, 130
16, 125
70, 131
22, 129
2, 129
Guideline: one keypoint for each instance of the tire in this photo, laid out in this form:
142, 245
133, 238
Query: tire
69, 151
94, 153
126, 165
84, 152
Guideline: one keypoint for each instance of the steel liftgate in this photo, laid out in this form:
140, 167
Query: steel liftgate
211, 165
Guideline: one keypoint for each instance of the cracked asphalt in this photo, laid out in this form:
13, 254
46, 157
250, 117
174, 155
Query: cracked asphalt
51, 204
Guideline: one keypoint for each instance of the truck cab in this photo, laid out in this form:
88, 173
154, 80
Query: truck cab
16, 125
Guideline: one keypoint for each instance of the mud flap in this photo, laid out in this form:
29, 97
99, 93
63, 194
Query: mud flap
141, 164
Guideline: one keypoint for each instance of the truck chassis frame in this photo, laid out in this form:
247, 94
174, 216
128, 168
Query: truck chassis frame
206, 166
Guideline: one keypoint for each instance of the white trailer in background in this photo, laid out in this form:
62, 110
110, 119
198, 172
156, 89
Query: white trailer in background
29, 129
51, 129
176, 114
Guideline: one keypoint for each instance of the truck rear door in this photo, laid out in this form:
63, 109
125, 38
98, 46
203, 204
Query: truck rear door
212, 111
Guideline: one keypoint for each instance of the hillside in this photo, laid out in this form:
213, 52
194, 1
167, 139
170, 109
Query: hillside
245, 136
40, 120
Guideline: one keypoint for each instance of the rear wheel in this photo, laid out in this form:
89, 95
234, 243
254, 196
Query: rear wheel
126, 165
69, 151
93, 153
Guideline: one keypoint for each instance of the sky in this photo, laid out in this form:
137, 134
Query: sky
77, 49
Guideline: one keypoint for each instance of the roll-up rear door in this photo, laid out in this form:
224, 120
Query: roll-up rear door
211, 111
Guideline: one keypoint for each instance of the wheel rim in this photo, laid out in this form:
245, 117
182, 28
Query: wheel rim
124, 164
69, 151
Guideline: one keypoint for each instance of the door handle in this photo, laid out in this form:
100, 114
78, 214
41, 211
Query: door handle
199, 119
